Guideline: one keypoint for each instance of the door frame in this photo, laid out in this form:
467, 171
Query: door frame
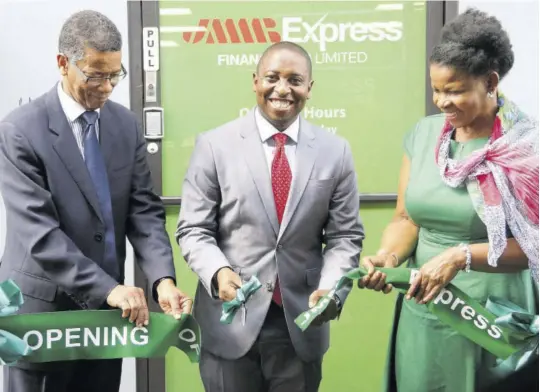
150, 373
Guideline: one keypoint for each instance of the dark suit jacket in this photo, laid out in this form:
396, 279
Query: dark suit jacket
55, 237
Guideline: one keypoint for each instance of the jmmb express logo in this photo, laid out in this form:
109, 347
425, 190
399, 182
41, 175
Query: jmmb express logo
294, 29
230, 31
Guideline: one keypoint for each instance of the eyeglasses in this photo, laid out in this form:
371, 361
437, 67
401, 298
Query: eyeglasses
96, 81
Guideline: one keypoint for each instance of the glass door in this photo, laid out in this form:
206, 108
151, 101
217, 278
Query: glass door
369, 67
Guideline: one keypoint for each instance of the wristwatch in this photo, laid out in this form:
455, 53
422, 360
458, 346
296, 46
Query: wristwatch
156, 284
337, 301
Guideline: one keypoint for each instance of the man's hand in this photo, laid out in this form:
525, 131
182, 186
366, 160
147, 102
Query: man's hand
171, 300
376, 280
228, 282
331, 311
132, 302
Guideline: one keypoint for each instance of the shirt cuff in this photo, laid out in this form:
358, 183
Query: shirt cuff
156, 284
214, 286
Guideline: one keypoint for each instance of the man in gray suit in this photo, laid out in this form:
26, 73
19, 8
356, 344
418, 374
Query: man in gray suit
262, 196
75, 182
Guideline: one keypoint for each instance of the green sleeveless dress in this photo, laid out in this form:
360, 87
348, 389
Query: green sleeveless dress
426, 355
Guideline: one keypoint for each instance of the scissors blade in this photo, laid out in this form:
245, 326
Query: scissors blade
244, 311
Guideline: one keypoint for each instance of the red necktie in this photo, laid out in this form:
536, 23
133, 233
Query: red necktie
281, 183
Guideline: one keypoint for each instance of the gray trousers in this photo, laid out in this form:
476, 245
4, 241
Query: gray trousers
76, 376
271, 365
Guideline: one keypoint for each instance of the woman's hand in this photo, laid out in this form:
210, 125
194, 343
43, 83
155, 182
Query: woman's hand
436, 274
376, 280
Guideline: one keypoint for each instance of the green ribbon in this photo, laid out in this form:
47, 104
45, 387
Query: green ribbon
243, 293
88, 334
524, 332
504, 329
11, 347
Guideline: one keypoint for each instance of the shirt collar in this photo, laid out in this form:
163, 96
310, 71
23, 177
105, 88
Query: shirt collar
267, 130
71, 108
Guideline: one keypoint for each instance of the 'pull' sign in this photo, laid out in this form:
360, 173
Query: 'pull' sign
150, 49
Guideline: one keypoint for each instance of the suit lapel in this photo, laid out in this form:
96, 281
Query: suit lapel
68, 151
306, 153
258, 167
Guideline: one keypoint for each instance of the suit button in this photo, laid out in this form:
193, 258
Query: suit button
270, 286
98, 237
280, 246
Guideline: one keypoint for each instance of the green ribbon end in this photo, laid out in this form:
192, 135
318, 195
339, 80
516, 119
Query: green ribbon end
501, 327
88, 334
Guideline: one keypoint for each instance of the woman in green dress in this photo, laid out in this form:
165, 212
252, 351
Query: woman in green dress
467, 210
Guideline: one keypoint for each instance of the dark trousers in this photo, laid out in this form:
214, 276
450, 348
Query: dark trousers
76, 376
524, 380
271, 365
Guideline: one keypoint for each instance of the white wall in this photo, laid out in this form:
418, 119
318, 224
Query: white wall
520, 18
28, 45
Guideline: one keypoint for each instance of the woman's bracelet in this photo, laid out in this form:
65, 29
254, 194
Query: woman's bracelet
468, 256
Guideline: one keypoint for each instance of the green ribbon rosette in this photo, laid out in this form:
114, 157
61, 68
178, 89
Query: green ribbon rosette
88, 334
523, 333
11, 347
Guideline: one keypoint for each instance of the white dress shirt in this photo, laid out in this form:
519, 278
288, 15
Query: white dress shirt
73, 110
267, 130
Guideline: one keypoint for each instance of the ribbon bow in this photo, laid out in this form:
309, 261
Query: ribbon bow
12, 348
524, 334
243, 293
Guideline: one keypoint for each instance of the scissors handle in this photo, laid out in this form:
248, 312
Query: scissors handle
244, 314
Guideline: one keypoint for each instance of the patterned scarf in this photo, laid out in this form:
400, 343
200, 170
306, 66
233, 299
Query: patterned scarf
502, 180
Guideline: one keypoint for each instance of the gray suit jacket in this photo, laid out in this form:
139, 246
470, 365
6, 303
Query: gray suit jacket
55, 236
228, 219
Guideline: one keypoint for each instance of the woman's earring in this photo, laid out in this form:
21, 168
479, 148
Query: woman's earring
490, 94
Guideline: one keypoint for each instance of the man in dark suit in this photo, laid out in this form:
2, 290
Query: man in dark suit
75, 183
